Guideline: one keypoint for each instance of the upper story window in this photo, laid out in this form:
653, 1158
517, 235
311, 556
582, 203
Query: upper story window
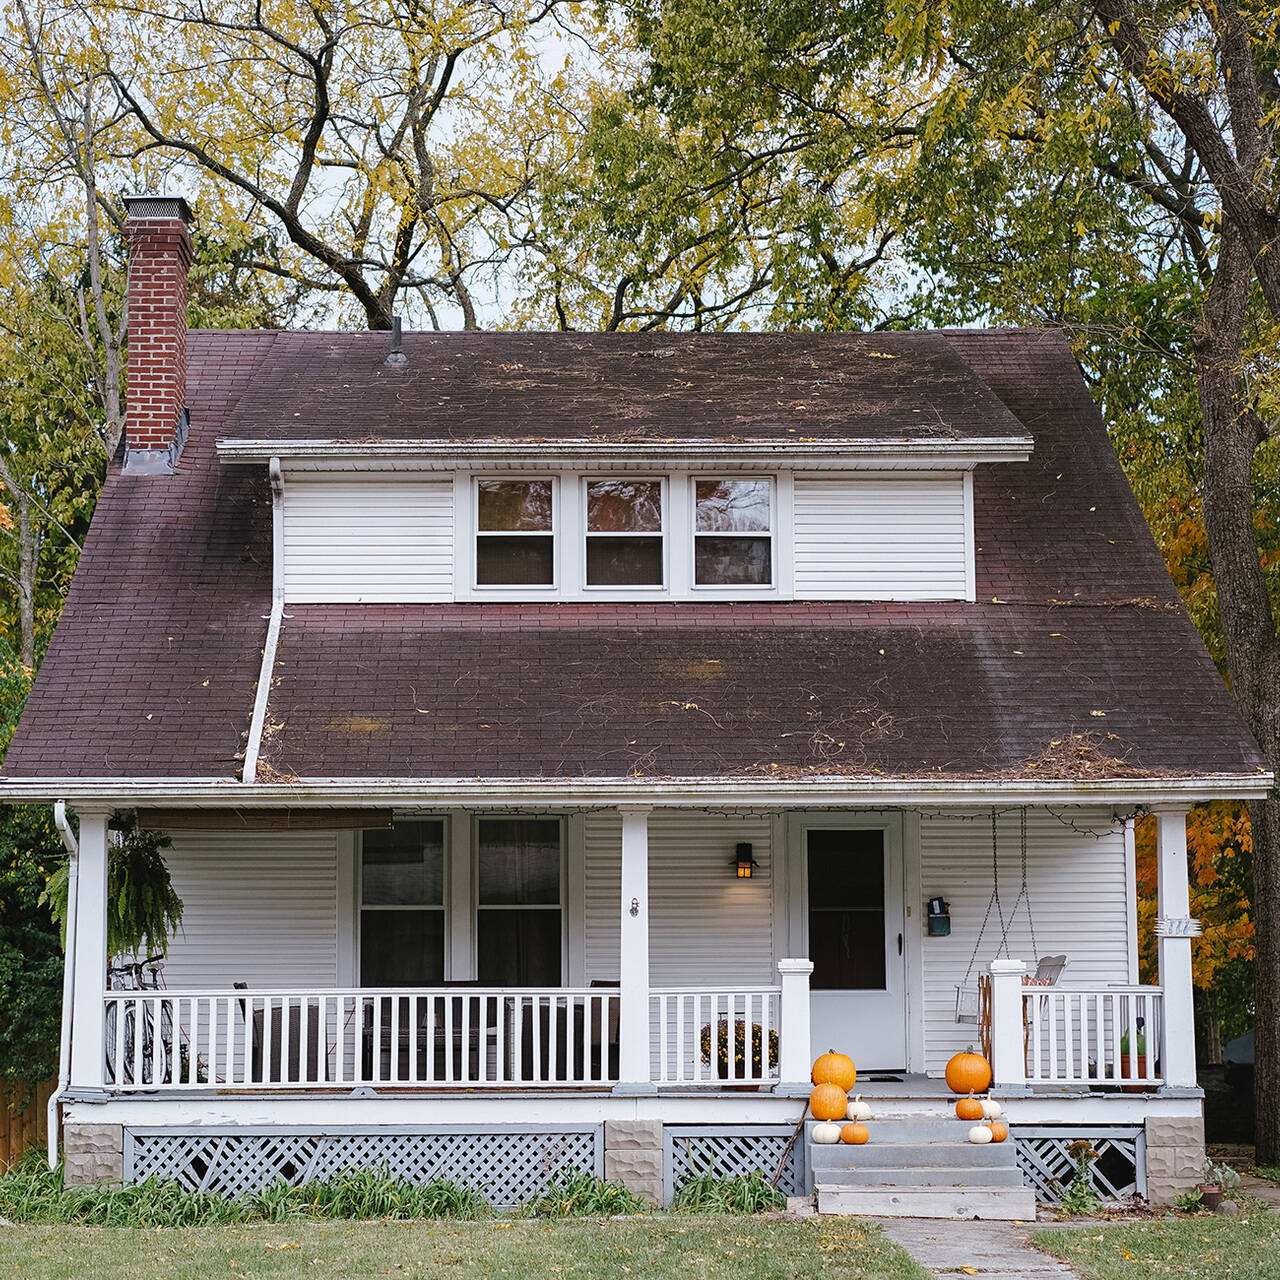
733, 533
624, 533
515, 533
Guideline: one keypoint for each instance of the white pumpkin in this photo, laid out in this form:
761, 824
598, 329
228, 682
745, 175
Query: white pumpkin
991, 1109
980, 1133
829, 1131
859, 1110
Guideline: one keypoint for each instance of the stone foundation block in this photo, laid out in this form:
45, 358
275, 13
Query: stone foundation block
93, 1153
633, 1157
1175, 1155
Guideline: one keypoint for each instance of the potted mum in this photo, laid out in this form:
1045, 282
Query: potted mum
734, 1041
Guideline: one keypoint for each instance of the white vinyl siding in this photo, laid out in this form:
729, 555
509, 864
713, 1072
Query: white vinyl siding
881, 538
258, 908
367, 539
706, 927
1079, 896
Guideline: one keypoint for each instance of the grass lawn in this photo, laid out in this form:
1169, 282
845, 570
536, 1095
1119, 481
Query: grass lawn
654, 1248
1244, 1248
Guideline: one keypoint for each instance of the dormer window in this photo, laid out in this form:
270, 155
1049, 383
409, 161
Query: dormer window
624, 533
733, 533
515, 533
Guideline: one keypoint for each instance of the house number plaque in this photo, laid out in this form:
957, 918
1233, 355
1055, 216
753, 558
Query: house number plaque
1178, 927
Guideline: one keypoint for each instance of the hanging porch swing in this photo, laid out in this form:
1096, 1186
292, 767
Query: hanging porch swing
969, 996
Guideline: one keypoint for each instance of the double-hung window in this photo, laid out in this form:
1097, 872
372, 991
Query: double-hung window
515, 533
402, 905
518, 902
733, 533
624, 533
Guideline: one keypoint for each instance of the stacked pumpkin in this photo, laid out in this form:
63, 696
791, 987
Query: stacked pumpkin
833, 1076
969, 1073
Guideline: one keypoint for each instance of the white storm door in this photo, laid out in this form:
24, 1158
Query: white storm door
854, 917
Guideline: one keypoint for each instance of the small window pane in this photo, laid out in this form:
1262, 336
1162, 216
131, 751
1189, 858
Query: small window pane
624, 562
624, 506
733, 562
731, 506
401, 948
404, 865
518, 861
510, 506
849, 867
847, 950
515, 562
518, 948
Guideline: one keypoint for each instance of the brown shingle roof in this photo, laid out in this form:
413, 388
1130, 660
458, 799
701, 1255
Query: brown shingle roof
151, 671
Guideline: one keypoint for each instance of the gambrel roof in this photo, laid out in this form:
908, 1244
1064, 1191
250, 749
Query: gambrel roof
1077, 654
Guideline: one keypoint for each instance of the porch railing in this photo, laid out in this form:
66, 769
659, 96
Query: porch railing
468, 1037
1094, 1036
715, 1037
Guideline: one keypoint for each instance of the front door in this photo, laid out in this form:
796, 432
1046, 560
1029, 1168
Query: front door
855, 935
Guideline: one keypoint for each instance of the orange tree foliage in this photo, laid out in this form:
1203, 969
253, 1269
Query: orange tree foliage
1219, 851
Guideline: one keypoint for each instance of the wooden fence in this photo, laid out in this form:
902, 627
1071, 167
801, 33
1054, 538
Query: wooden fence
22, 1129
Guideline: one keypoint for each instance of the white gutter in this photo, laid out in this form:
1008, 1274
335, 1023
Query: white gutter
598, 793
254, 744
902, 451
68, 975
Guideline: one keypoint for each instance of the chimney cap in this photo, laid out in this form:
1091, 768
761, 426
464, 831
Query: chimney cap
158, 206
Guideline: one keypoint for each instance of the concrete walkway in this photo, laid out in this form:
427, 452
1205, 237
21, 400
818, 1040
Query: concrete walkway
995, 1250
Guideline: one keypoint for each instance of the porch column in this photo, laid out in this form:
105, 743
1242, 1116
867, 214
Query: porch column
634, 1068
1008, 1045
1178, 1046
794, 1031
87, 950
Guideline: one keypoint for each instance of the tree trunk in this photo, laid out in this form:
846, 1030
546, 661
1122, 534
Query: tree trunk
1232, 433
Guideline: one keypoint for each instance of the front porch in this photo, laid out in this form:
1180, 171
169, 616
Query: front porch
639, 896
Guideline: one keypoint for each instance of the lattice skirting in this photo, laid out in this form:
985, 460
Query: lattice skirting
1119, 1171
691, 1150
506, 1168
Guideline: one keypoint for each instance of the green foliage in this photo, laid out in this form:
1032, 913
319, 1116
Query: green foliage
32, 1192
30, 951
143, 909
1080, 1198
708, 1193
575, 1194
1189, 1201
1219, 1175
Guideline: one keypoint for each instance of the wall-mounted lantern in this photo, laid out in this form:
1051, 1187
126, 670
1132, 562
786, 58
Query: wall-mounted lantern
744, 863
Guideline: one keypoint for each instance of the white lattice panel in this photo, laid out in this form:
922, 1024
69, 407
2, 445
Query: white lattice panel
1048, 1166
505, 1168
734, 1153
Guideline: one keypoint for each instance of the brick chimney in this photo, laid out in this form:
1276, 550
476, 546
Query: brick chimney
156, 375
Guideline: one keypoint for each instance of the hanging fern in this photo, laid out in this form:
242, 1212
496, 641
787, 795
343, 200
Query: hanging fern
143, 910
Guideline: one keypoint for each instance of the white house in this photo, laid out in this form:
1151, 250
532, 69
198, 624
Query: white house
533, 714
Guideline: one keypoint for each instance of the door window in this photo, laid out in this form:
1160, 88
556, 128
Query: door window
847, 910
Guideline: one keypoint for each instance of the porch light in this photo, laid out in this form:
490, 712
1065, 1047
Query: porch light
744, 862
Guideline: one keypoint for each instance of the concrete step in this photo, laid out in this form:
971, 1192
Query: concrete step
919, 1130
911, 1155
1005, 1204
954, 1176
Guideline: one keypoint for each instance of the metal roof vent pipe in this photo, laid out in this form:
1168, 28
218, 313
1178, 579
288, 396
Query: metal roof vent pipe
396, 354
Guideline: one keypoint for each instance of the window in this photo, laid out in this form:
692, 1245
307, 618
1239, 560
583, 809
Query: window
624, 533
515, 534
402, 905
518, 905
732, 533
847, 910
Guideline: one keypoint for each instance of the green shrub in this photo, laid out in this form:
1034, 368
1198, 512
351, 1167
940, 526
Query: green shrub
707, 1193
574, 1194
32, 1192
1189, 1201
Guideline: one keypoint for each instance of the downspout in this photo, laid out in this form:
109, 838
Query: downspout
68, 975
254, 745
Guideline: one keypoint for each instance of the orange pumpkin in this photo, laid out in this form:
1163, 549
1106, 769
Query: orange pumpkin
856, 1133
999, 1130
969, 1108
835, 1068
828, 1102
968, 1072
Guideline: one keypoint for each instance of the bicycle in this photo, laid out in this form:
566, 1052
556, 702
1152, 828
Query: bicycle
145, 1058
